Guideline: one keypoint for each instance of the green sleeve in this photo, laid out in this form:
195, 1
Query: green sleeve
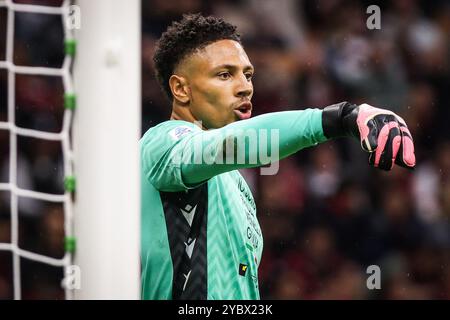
286, 132
200, 155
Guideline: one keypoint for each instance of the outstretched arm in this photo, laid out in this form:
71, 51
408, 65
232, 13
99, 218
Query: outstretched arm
192, 156
177, 155
254, 142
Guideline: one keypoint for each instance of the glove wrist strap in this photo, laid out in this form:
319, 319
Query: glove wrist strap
339, 120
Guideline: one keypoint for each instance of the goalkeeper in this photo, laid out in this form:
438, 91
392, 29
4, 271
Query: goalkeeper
200, 234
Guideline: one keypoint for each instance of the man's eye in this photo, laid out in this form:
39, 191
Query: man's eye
249, 76
224, 75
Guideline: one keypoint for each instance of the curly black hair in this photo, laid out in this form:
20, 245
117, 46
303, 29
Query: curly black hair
182, 38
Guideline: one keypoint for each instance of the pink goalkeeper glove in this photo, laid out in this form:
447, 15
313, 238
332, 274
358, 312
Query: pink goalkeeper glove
381, 132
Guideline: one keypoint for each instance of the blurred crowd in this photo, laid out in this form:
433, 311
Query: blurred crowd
326, 216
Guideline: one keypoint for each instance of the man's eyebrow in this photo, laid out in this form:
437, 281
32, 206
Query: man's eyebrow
232, 66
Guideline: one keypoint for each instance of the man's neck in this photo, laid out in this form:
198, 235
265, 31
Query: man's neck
185, 114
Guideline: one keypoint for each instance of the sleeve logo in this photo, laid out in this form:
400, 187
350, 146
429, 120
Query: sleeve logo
180, 132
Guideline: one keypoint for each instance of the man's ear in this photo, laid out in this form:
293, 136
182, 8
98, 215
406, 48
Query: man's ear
180, 89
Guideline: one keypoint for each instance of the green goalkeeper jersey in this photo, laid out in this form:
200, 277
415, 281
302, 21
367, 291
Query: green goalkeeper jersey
200, 237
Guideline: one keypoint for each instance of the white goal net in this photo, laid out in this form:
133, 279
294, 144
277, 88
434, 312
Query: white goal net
14, 131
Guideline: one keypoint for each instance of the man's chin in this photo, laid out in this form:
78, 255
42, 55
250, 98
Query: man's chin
236, 118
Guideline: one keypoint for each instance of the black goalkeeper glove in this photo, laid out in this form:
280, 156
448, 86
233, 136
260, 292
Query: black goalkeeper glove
381, 132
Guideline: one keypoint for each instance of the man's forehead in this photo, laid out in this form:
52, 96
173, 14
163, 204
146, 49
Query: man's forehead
222, 52
223, 47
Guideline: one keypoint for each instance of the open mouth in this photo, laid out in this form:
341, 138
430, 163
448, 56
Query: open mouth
244, 110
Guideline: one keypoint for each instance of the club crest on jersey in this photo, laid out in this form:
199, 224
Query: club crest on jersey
179, 132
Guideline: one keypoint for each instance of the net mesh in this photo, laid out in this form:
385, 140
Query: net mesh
63, 136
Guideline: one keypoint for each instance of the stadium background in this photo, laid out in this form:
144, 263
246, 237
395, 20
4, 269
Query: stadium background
326, 216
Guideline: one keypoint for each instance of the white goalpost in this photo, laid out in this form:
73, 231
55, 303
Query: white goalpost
106, 155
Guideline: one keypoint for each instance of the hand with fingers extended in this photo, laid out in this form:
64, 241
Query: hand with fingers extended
381, 132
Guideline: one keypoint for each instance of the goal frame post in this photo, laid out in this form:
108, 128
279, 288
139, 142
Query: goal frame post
106, 131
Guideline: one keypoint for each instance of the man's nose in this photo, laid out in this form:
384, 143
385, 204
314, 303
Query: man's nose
244, 88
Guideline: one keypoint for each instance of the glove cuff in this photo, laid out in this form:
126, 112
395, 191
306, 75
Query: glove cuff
339, 120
